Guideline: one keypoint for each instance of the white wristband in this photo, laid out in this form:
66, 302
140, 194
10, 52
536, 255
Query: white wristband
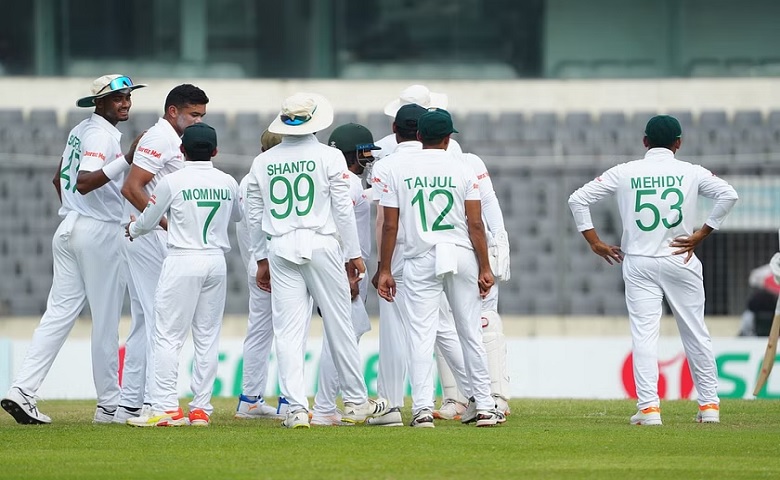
116, 168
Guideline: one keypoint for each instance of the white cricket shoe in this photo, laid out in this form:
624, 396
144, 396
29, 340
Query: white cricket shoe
328, 420
489, 418
647, 416
450, 410
391, 418
257, 408
122, 414
354, 413
423, 419
709, 413
297, 419
282, 407
104, 415
23, 408
150, 418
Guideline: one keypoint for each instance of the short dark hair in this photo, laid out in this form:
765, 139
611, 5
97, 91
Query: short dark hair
184, 95
405, 133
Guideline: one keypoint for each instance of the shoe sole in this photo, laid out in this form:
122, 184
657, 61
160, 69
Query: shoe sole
19, 414
393, 424
648, 423
267, 416
172, 423
424, 425
487, 423
199, 423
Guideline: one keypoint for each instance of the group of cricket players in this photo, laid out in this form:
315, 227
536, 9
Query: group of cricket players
155, 221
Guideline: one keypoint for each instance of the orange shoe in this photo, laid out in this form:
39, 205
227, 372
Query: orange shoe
709, 413
199, 418
647, 416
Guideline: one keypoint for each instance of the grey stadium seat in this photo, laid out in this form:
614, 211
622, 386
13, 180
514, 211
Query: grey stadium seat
11, 116
713, 118
42, 117
747, 118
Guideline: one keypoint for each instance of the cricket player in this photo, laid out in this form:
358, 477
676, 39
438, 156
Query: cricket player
453, 404
158, 153
298, 195
657, 198
259, 329
88, 254
356, 143
200, 201
436, 198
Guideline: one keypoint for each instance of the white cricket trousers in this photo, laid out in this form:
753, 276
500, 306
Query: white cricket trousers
325, 279
145, 256
648, 280
88, 267
259, 339
190, 295
393, 339
328, 382
423, 297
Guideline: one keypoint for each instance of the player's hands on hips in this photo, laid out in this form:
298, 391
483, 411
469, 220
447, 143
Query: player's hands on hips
686, 245
386, 286
127, 227
263, 277
485, 282
609, 253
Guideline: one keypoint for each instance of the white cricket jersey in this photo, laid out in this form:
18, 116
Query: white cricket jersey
388, 145
381, 170
91, 144
657, 197
158, 153
430, 188
200, 201
492, 215
362, 207
301, 184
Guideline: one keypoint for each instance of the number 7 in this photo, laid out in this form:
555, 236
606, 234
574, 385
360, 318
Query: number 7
214, 206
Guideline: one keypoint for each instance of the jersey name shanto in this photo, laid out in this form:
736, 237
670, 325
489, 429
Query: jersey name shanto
291, 167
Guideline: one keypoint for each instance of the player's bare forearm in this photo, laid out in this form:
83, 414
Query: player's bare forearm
89, 181
56, 180
609, 253
389, 236
380, 220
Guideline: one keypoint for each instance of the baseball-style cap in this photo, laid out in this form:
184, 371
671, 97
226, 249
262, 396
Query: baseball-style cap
434, 124
106, 85
663, 130
408, 116
199, 141
352, 137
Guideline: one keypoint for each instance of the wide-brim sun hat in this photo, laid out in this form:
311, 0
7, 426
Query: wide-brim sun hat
419, 95
303, 113
106, 85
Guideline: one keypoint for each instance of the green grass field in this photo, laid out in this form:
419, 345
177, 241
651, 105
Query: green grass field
541, 439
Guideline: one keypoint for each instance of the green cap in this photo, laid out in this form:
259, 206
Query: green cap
663, 130
199, 141
407, 117
352, 137
434, 124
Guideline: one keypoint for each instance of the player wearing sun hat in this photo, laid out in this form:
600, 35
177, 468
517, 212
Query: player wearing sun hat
657, 200
298, 198
88, 253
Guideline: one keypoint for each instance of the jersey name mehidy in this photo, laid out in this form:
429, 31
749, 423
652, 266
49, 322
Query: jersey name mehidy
657, 182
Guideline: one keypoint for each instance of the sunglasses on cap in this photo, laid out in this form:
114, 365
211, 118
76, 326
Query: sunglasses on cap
117, 84
296, 120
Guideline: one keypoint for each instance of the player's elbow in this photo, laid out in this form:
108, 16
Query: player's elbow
83, 186
127, 191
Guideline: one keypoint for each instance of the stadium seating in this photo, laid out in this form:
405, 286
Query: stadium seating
536, 160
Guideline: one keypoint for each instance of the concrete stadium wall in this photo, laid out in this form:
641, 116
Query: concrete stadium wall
729, 94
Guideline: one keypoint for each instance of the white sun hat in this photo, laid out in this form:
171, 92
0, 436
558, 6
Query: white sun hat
303, 113
418, 94
106, 85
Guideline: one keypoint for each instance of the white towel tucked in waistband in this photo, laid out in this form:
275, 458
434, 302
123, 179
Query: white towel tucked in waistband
66, 227
295, 246
446, 259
